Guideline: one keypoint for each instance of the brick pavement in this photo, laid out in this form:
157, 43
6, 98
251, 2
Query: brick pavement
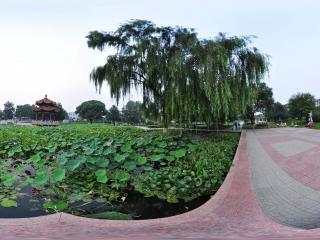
280, 165
265, 196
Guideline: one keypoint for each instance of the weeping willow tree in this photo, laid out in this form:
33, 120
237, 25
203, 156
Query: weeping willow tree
229, 73
182, 77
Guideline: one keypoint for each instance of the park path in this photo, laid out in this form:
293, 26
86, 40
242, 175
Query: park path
271, 192
285, 166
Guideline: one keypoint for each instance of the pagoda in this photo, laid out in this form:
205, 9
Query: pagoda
46, 112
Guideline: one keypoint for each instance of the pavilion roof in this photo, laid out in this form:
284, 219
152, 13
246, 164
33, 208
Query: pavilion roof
46, 101
46, 109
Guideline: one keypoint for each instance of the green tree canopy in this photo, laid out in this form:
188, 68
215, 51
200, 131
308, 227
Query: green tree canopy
279, 112
92, 110
1, 115
300, 105
113, 115
263, 103
265, 99
316, 114
132, 112
62, 115
8, 110
181, 76
24, 111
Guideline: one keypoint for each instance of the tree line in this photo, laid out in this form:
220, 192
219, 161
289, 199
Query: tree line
297, 109
95, 111
25, 112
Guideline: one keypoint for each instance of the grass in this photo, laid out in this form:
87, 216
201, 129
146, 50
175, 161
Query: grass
260, 126
317, 125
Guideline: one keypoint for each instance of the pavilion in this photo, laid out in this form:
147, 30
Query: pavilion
46, 112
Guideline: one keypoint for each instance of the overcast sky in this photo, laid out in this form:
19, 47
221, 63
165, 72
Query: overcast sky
43, 49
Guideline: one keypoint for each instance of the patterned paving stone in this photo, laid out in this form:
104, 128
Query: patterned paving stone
283, 185
302, 163
293, 147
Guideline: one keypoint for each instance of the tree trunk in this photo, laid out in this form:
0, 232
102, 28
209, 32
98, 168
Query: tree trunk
252, 118
208, 123
180, 125
165, 118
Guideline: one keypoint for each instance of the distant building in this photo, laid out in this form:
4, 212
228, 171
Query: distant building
46, 112
259, 118
73, 116
318, 102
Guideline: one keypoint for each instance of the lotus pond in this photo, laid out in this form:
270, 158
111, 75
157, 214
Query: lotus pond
102, 171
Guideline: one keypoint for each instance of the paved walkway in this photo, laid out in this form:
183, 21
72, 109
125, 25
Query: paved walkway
285, 165
271, 192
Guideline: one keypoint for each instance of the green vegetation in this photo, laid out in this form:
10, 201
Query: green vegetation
296, 123
272, 125
110, 216
9, 110
113, 115
260, 126
317, 126
279, 112
92, 110
300, 105
24, 111
132, 113
263, 103
75, 165
198, 169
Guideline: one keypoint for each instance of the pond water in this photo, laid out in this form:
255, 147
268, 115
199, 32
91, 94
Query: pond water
28, 206
135, 205
140, 207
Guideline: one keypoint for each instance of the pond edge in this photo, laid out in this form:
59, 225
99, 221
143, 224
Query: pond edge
194, 215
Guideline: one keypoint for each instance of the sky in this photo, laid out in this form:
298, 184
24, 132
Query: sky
43, 49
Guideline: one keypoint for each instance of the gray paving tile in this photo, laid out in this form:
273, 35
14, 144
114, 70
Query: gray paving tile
281, 197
